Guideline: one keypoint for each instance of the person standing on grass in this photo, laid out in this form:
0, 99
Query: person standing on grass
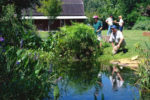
109, 21
117, 39
121, 23
98, 28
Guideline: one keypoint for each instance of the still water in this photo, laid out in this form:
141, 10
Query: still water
93, 81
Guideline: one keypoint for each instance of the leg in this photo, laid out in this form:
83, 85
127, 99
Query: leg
109, 30
99, 37
121, 28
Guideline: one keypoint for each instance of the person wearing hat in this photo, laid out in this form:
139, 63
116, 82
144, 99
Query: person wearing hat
98, 28
117, 39
109, 21
121, 22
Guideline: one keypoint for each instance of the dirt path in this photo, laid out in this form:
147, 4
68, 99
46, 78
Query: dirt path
131, 63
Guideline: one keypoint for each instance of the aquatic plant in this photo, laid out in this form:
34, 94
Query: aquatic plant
144, 68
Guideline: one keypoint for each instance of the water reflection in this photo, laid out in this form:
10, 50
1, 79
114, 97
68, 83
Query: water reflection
98, 87
89, 80
116, 79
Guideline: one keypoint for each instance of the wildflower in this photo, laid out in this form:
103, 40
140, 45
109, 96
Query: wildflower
21, 43
1, 39
18, 62
59, 78
25, 32
16, 33
35, 56
29, 54
50, 69
3, 50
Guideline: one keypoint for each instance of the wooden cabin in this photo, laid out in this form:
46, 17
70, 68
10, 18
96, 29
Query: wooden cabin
72, 11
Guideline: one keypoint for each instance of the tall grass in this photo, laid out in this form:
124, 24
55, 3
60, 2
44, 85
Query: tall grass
144, 68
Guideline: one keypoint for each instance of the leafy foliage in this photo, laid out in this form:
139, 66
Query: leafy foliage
25, 74
24, 68
19, 4
76, 41
51, 8
78, 80
144, 68
49, 43
129, 9
18, 33
142, 23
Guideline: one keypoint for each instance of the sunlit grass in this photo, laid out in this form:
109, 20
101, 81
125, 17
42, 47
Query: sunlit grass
132, 38
43, 34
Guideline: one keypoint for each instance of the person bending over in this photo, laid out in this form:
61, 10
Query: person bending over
117, 39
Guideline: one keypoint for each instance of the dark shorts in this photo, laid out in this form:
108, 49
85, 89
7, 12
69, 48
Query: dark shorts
121, 28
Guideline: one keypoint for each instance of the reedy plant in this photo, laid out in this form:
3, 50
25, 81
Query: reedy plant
144, 68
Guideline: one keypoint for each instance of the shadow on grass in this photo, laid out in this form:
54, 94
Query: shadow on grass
125, 50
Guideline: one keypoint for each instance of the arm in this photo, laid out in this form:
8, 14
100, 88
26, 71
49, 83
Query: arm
120, 76
120, 42
113, 45
121, 39
122, 23
100, 24
106, 21
100, 29
116, 22
99, 83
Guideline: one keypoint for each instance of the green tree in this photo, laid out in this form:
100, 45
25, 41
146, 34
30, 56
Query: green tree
19, 4
50, 8
129, 9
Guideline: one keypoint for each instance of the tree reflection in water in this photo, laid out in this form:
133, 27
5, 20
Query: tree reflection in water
81, 77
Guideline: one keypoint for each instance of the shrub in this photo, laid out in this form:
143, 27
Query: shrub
144, 68
24, 69
25, 74
29, 37
16, 32
49, 43
142, 24
78, 41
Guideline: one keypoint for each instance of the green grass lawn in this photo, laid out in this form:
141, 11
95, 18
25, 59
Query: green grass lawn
43, 34
132, 38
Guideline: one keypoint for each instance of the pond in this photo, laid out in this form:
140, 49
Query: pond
93, 81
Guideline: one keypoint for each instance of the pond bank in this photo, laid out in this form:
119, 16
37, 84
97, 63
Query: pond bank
133, 64
122, 58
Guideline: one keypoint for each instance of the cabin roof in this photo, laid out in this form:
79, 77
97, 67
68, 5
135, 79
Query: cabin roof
69, 8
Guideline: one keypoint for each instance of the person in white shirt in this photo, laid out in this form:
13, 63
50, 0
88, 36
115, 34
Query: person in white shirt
121, 23
117, 39
116, 79
109, 21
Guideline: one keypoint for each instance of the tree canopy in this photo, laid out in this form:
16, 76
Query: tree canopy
19, 4
51, 8
129, 9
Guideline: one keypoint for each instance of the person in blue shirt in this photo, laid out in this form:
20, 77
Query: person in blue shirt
98, 28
